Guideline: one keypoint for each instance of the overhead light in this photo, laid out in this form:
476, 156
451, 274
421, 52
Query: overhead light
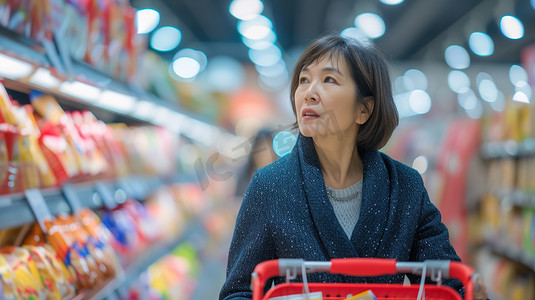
197, 55
521, 97
458, 81
146, 20
186, 67
161, 115
43, 78
457, 57
420, 101
277, 69
392, 2
420, 164
165, 39
476, 112
266, 57
417, 79
371, 24
487, 90
224, 74
255, 29
246, 9
517, 75
355, 33
13, 68
512, 27
523, 87
481, 44
80, 90
467, 99
117, 102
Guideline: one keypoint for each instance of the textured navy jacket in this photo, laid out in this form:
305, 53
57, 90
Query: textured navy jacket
286, 214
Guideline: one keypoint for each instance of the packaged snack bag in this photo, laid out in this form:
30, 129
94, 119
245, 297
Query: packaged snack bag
100, 237
27, 279
58, 280
7, 281
6, 107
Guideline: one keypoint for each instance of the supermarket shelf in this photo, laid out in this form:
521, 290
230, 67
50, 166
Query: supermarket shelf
142, 262
508, 149
501, 247
15, 210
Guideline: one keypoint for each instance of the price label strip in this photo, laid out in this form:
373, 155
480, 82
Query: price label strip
72, 198
38, 206
106, 195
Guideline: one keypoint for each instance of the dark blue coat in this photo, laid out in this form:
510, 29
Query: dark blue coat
286, 214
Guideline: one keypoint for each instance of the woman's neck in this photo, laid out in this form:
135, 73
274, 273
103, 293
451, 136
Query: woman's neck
340, 162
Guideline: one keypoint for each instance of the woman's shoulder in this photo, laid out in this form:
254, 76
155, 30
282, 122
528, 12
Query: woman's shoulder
282, 167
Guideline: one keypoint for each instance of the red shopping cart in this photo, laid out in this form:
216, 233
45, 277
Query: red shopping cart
290, 268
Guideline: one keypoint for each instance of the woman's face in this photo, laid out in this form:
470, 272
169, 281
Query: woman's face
325, 100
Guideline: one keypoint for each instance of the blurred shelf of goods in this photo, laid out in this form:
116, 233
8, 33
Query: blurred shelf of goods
477, 160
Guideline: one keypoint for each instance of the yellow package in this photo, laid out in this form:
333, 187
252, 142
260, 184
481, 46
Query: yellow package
7, 280
27, 279
58, 281
6, 108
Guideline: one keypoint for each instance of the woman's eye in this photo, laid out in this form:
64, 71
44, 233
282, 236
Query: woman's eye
329, 79
303, 80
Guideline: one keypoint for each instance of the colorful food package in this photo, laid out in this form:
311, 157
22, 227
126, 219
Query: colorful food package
97, 39
100, 237
27, 279
19, 20
76, 33
6, 107
8, 289
58, 279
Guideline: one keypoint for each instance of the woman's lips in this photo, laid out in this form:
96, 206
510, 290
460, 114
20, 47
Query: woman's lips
309, 114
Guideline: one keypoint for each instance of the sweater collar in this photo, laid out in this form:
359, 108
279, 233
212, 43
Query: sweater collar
374, 208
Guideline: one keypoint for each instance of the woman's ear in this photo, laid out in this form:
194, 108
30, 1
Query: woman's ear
364, 110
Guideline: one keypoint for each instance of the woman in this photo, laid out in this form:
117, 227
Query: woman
335, 195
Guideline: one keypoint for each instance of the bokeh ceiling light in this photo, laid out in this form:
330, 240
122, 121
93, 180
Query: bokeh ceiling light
186, 67
277, 69
520, 97
420, 164
146, 20
392, 2
197, 55
417, 79
371, 24
523, 87
481, 44
457, 57
266, 57
476, 112
262, 43
224, 74
165, 39
512, 27
355, 33
420, 101
467, 99
517, 74
499, 104
246, 9
255, 29
458, 81
487, 90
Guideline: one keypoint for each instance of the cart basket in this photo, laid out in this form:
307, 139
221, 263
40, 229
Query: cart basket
365, 267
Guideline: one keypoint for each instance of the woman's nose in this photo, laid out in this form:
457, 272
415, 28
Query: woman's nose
311, 94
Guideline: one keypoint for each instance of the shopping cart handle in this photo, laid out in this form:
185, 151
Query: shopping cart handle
363, 266
360, 267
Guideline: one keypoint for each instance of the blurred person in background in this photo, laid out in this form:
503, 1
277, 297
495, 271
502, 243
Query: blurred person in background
261, 155
335, 195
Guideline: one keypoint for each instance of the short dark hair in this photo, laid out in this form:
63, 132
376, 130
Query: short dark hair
369, 70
